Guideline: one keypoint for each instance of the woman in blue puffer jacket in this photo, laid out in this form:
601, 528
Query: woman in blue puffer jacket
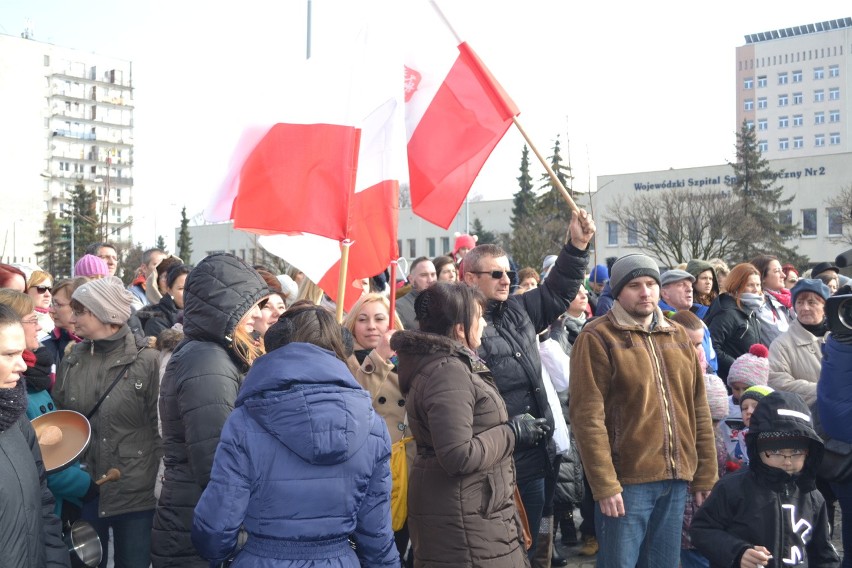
303, 462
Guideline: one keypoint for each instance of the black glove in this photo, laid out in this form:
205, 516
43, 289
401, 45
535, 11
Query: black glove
93, 491
528, 431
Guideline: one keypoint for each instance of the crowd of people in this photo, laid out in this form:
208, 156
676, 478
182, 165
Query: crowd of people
463, 420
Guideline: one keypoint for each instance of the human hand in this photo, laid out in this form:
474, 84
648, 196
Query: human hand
754, 557
581, 229
612, 506
700, 497
528, 430
383, 349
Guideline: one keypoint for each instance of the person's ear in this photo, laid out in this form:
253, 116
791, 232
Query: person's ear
458, 330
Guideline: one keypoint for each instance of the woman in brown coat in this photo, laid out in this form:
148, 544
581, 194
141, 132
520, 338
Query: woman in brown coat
461, 508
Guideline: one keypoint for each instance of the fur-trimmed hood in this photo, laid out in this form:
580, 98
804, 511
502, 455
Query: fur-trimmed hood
417, 348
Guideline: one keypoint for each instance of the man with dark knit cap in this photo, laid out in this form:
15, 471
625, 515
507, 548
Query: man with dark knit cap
641, 419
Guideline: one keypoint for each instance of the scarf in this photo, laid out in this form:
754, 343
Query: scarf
39, 374
783, 296
818, 330
13, 403
752, 301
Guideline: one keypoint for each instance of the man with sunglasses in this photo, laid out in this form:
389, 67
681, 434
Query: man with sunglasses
510, 343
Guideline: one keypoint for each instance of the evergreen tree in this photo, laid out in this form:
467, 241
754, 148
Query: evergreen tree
184, 242
161, 243
551, 202
523, 202
55, 252
483, 236
86, 223
755, 188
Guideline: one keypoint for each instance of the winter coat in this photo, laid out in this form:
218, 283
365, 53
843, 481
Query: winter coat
774, 318
160, 316
638, 407
198, 392
461, 509
605, 301
795, 360
733, 329
510, 349
834, 390
565, 331
124, 428
764, 505
30, 532
405, 310
56, 343
303, 463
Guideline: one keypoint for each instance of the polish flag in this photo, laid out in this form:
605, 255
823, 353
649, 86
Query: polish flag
455, 113
328, 170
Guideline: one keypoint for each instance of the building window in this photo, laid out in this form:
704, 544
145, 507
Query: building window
652, 235
783, 143
749, 124
819, 117
611, 233
748, 83
632, 233
762, 124
835, 221
783, 100
809, 222
797, 76
761, 102
797, 98
749, 104
761, 81
430, 244
763, 146
798, 142
399, 245
819, 73
834, 116
445, 245
783, 122
834, 138
834, 94
47, 61
819, 96
782, 78
785, 217
819, 140
412, 248
834, 70
798, 120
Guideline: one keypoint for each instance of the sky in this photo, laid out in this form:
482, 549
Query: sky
630, 86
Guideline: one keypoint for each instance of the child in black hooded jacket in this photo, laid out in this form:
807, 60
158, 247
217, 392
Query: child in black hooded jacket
772, 514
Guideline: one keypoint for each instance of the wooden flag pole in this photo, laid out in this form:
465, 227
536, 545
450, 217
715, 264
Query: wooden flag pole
392, 283
547, 167
341, 283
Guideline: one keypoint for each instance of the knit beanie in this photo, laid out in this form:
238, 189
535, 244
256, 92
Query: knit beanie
599, 274
629, 267
751, 368
106, 298
463, 241
717, 397
91, 265
756, 393
548, 263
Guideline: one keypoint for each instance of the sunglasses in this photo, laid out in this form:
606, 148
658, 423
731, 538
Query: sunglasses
43, 289
497, 274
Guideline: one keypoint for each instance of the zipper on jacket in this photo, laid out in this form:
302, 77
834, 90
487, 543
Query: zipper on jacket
665, 406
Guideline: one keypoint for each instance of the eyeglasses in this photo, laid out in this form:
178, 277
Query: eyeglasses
496, 274
793, 455
43, 289
33, 321
58, 305
78, 313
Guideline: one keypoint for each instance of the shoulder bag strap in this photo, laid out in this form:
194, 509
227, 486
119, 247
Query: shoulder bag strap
110, 387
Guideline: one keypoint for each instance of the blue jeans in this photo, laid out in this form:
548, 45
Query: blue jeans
843, 491
532, 496
131, 536
649, 533
690, 558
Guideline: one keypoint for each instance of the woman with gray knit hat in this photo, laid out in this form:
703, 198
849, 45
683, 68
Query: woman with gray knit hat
113, 380
220, 313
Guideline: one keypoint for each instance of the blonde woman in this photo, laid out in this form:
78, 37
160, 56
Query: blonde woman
198, 391
39, 288
375, 370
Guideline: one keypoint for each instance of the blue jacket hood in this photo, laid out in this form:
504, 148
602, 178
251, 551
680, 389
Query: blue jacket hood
308, 400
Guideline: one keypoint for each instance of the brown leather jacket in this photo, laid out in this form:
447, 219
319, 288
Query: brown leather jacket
638, 407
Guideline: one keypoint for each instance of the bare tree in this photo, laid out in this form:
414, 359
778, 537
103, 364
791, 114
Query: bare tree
678, 224
842, 206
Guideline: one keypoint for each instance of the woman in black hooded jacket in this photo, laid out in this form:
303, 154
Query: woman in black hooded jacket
198, 392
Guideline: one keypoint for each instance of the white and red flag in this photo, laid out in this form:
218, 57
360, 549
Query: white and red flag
455, 114
327, 171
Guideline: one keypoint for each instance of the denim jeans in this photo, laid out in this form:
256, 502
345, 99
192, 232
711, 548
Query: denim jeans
532, 496
843, 491
131, 536
649, 533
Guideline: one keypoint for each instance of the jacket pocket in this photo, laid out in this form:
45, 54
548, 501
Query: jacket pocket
488, 490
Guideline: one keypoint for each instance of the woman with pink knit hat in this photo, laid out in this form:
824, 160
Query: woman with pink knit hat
91, 266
